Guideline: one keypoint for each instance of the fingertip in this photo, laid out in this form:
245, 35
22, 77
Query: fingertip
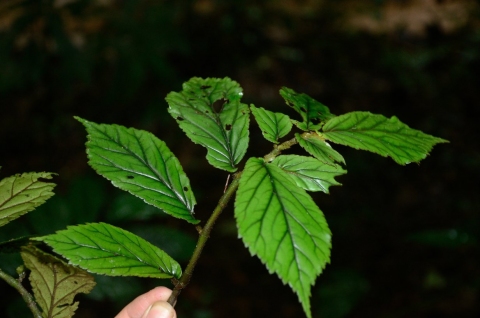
160, 309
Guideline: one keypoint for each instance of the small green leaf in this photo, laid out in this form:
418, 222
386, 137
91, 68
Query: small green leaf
108, 250
55, 283
138, 162
381, 135
273, 125
309, 173
279, 222
22, 193
311, 110
319, 148
209, 111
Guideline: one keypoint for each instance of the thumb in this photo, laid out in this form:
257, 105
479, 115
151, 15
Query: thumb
160, 309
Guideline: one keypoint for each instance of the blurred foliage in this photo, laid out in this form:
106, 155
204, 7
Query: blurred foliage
114, 61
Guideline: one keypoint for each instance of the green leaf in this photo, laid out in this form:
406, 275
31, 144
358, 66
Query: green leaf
175, 242
22, 193
309, 173
311, 110
273, 125
55, 283
138, 162
108, 250
279, 222
319, 148
210, 113
381, 135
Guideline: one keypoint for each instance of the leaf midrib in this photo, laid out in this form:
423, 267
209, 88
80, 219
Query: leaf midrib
152, 169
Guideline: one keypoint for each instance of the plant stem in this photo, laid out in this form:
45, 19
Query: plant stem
278, 149
202, 239
25, 294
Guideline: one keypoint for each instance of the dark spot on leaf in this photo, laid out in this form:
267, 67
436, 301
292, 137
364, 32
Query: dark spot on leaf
205, 86
191, 99
217, 106
228, 127
185, 189
179, 118
129, 177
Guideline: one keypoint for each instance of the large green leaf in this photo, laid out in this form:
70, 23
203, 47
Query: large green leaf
319, 148
273, 125
309, 173
138, 162
279, 222
313, 112
381, 135
209, 111
55, 283
22, 193
105, 249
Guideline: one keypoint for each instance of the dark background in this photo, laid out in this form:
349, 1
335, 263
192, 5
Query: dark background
405, 239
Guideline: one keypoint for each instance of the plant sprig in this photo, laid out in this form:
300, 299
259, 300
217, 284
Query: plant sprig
276, 218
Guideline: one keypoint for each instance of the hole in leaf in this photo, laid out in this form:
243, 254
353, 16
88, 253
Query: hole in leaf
228, 127
179, 118
217, 106
205, 86
130, 177
185, 189
303, 109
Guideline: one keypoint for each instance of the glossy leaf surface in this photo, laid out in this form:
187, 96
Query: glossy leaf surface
319, 148
313, 112
273, 125
138, 162
55, 283
22, 193
309, 173
209, 111
105, 249
379, 134
279, 222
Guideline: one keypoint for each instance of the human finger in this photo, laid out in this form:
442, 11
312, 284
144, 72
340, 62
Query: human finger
142, 303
